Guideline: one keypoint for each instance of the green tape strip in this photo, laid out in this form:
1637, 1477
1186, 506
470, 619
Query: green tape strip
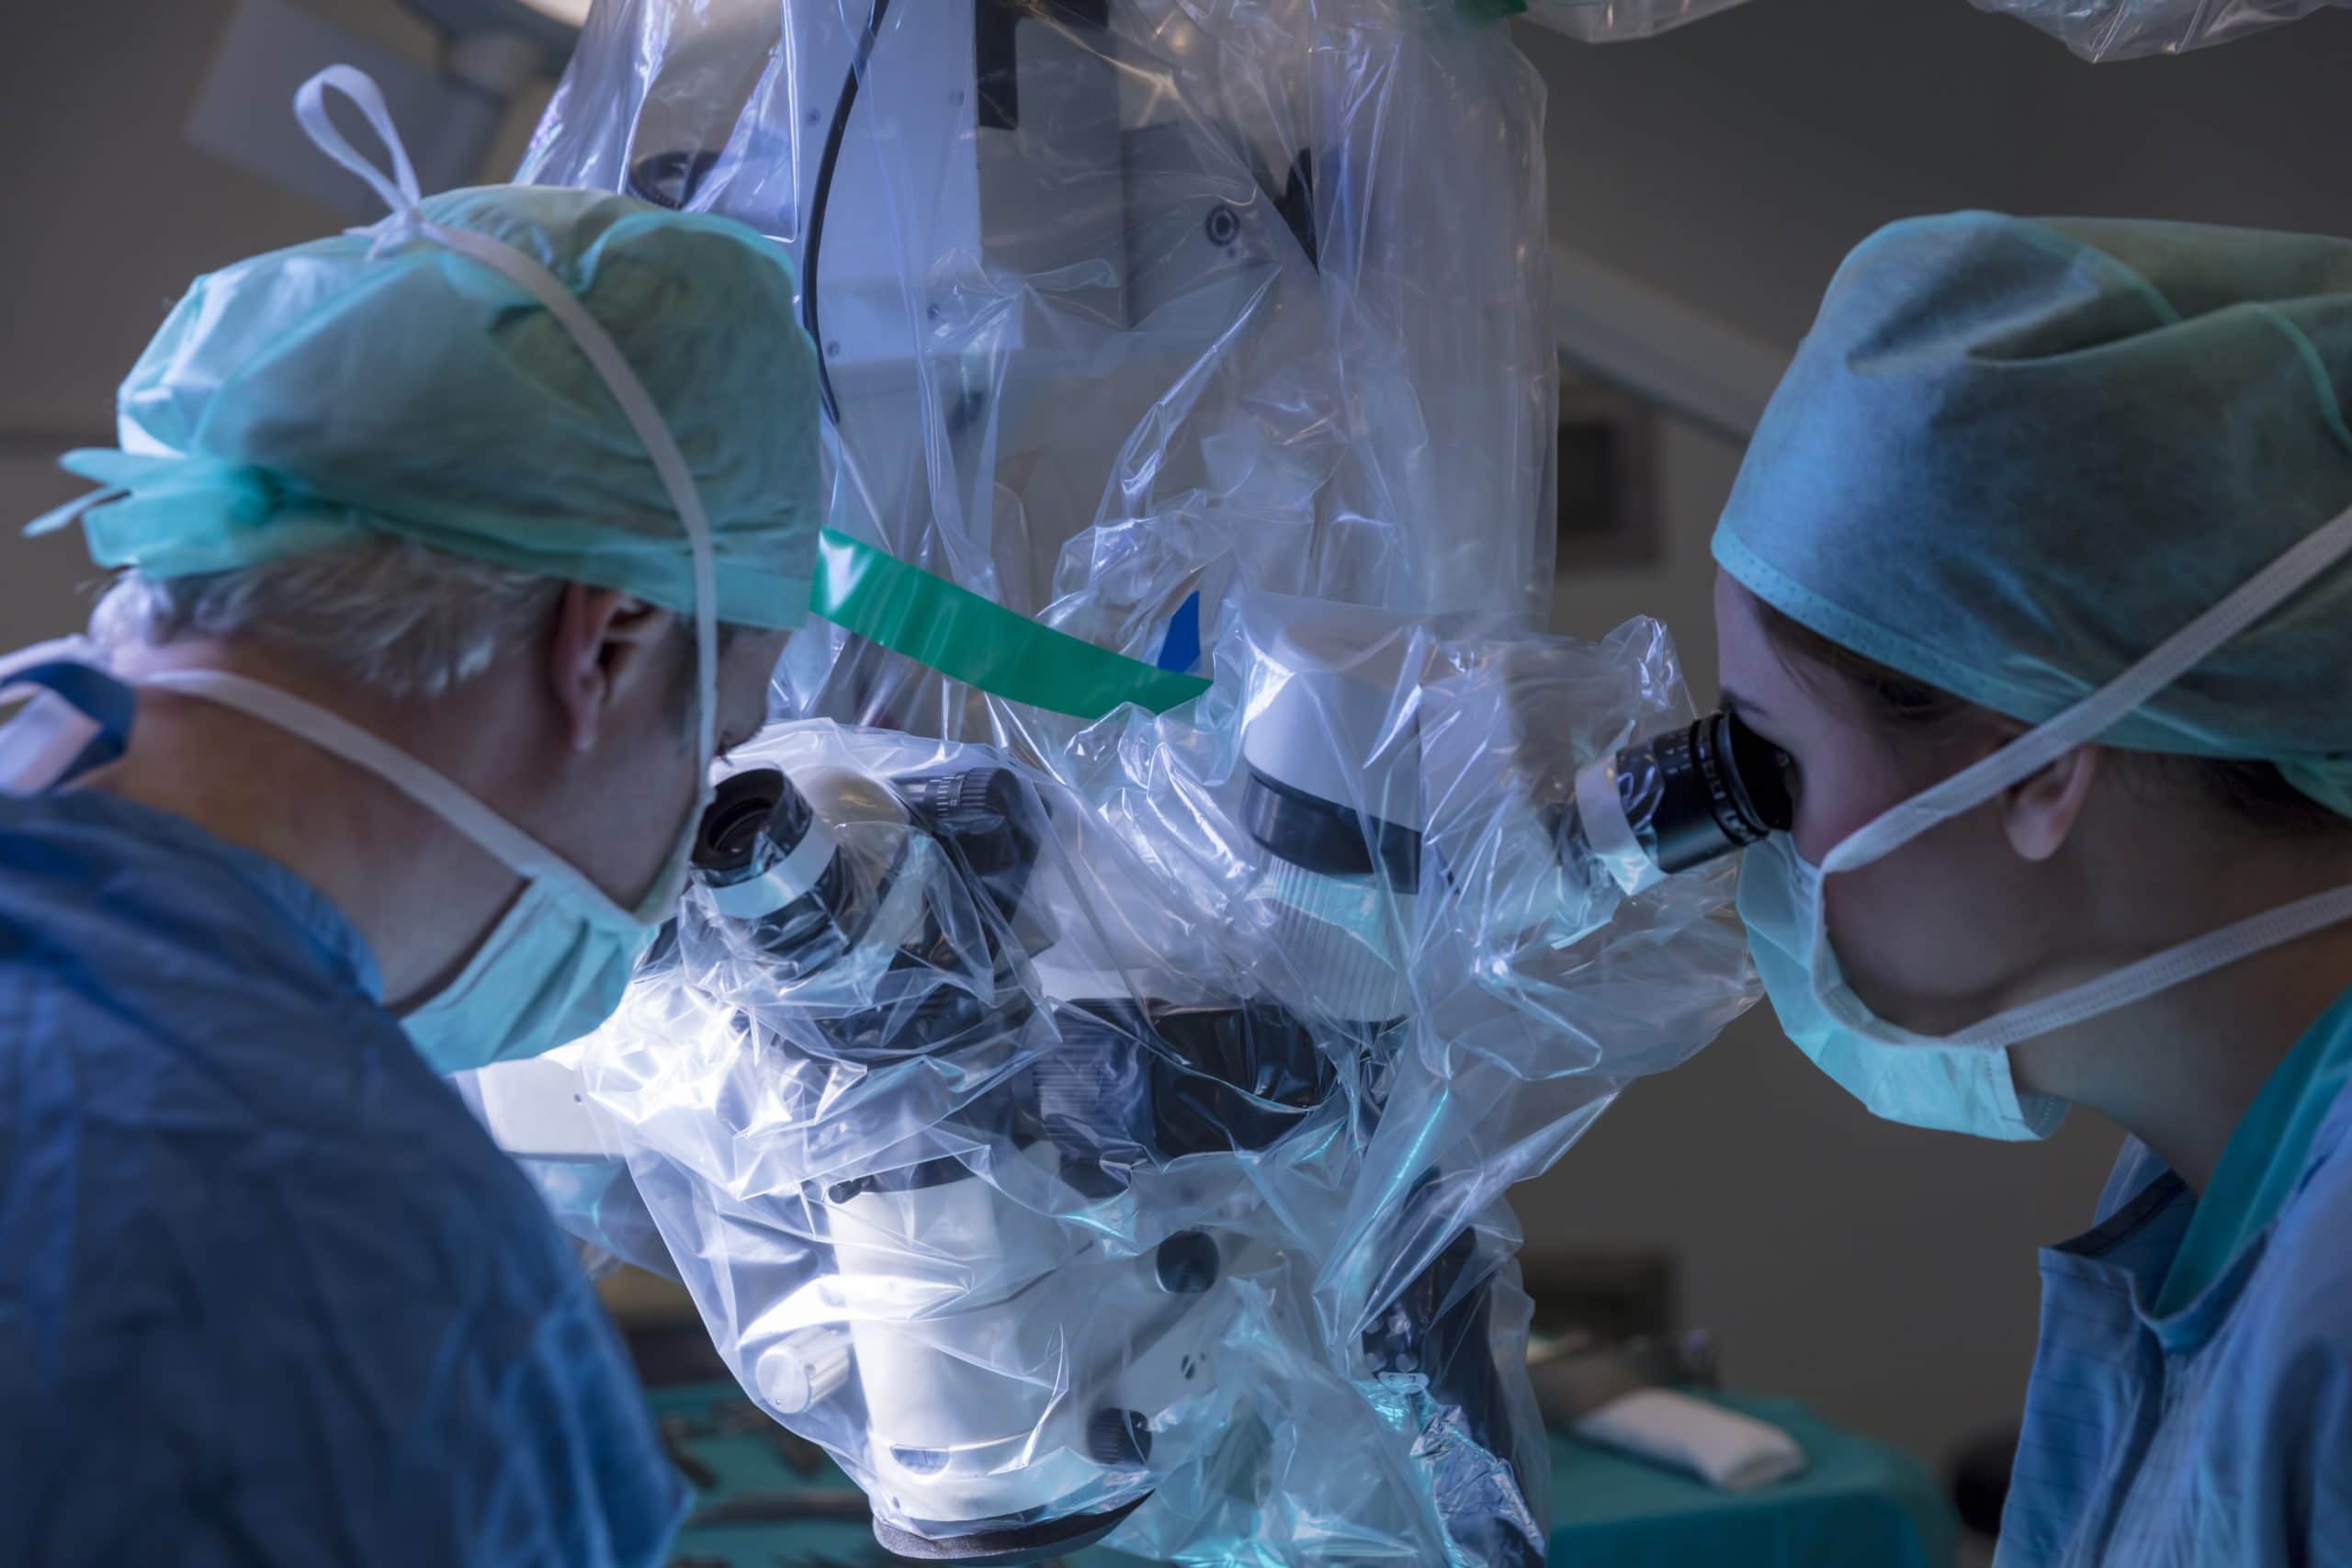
979, 642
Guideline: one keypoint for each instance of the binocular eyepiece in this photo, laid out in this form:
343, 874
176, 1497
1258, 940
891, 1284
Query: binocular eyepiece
762, 848
1681, 799
759, 848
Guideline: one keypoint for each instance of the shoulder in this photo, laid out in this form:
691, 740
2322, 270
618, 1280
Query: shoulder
263, 1270
120, 924
349, 1411
2301, 1291
2260, 1467
2286, 1375
345, 1342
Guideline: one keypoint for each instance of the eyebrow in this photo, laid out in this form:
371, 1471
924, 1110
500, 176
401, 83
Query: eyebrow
1745, 706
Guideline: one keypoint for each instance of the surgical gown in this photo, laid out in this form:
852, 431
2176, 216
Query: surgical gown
2191, 1401
267, 1294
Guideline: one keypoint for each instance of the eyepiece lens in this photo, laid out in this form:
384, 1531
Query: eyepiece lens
740, 813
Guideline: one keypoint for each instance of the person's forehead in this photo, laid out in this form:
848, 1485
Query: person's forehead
1740, 639
1755, 678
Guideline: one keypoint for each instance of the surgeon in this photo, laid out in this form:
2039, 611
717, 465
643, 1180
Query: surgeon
450, 553
2037, 574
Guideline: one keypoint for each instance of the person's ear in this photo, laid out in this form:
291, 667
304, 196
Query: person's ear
603, 641
2040, 812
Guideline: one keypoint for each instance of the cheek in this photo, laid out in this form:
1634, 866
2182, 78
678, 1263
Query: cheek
661, 788
1928, 936
745, 681
1843, 789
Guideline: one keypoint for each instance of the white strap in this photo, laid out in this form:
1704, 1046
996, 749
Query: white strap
2036, 749
399, 191
652, 431
512, 847
2215, 950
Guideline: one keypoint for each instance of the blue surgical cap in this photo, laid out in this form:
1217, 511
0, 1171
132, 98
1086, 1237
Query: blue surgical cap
303, 396
2013, 456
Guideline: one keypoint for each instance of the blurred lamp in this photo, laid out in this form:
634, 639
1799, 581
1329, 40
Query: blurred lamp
494, 51
551, 26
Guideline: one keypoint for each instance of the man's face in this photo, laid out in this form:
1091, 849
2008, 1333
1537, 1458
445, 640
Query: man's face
644, 782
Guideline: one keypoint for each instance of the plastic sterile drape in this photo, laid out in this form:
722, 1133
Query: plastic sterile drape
1128, 307
1607, 21
2126, 29
1075, 1116
1046, 1145
2095, 29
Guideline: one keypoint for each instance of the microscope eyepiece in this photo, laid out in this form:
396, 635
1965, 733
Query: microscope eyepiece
759, 848
1681, 799
739, 815
1710, 789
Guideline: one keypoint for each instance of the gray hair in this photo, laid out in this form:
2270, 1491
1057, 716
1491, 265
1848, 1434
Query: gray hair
388, 613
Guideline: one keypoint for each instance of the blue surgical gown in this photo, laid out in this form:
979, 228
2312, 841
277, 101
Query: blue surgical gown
2191, 1401
267, 1294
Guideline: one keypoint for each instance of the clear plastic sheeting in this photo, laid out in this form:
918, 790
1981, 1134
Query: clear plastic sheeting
2095, 29
1126, 1148
1086, 1125
2125, 29
1609, 21
1128, 307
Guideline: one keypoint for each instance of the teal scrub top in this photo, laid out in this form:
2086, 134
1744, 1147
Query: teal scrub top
2191, 1401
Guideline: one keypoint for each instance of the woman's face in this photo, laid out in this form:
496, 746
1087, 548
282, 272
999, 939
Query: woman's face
1943, 931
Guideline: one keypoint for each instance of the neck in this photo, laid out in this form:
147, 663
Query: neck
421, 895
2180, 1069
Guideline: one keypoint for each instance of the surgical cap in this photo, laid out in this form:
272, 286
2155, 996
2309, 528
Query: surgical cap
2013, 456
346, 386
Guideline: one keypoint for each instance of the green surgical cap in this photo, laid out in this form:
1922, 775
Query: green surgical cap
302, 395
2014, 456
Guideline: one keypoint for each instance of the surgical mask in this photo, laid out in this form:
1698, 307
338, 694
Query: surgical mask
552, 968
1962, 1082
1913, 1081
554, 965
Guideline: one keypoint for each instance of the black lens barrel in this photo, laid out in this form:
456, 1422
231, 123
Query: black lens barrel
1703, 791
759, 802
